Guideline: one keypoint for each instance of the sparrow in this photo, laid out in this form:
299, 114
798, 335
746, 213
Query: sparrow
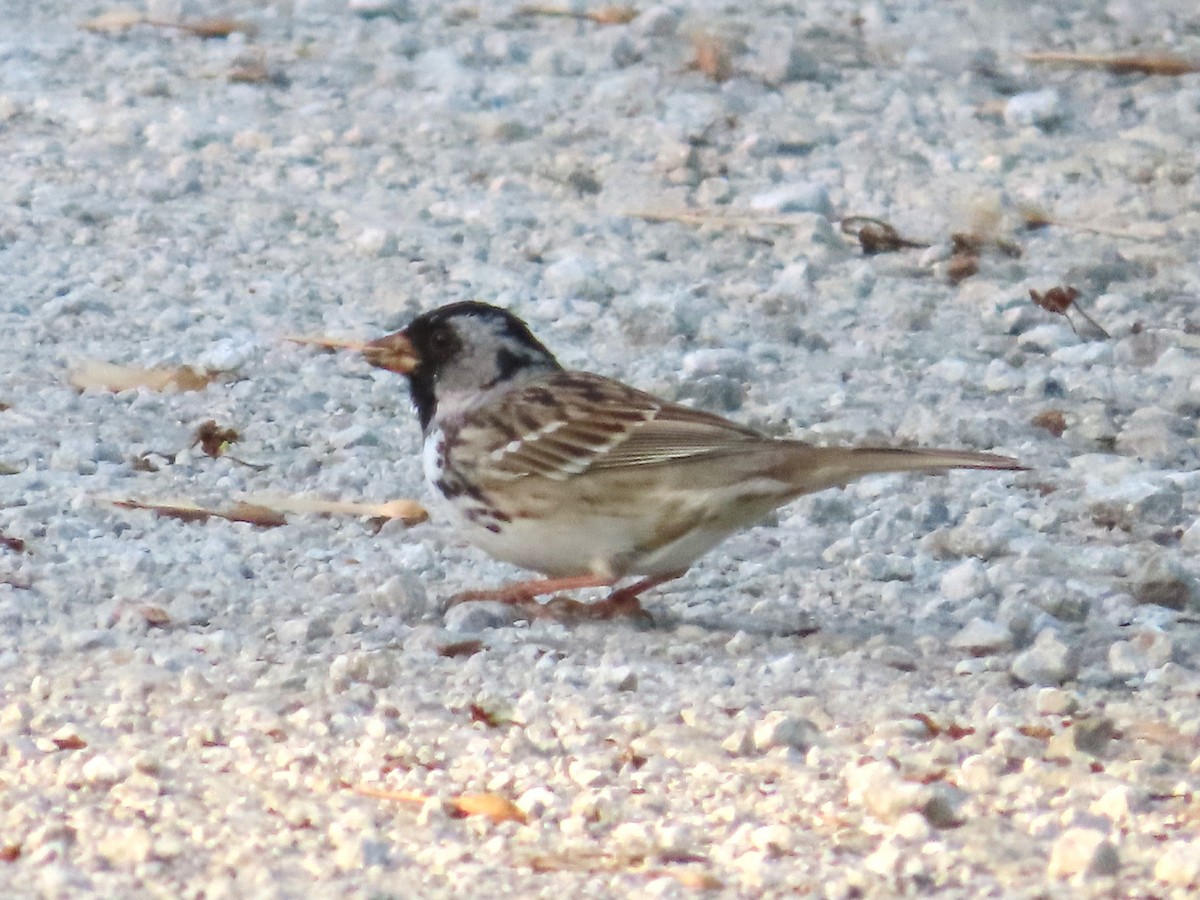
586, 480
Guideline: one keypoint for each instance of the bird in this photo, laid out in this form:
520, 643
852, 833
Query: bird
590, 482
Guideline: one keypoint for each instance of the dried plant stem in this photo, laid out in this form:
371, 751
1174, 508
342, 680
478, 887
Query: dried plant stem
1145, 64
1104, 230
705, 217
607, 15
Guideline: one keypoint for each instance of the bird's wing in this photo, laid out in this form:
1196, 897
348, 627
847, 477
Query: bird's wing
567, 423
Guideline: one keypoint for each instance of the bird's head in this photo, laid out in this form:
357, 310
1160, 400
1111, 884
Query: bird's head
456, 355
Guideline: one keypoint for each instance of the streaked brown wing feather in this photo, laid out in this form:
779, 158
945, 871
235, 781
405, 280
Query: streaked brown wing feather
597, 423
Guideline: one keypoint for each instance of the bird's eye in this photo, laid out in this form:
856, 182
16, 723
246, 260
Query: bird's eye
440, 341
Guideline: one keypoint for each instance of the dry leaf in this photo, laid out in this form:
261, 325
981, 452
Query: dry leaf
496, 807
155, 616
961, 267
110, 377
490, 717
14, 544
976, 242
876, 236
1052, 420
114, 21
931, 726
408, 511
957, 732
1033, 216
257, 73
187, 511
1056, 300
460, 648
70, 742
143, 462
10, 852
1037, 732
712, 56
213, 439
1059, 300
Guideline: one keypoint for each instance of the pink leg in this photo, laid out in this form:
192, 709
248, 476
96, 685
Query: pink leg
623, 602
524, 591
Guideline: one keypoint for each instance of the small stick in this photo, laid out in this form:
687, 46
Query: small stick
711, 218
607, 15
1143, 64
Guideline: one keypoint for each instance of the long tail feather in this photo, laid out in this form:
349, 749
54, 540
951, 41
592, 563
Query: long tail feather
816, 468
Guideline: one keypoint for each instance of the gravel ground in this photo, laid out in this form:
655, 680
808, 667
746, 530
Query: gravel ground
974, 685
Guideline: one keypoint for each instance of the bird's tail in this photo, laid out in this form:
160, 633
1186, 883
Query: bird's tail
816, 468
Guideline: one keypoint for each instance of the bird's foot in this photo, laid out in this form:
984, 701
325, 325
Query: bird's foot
520, 593
622, 603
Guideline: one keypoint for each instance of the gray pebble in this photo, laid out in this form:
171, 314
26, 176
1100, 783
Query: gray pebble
1163, 581
473, 617
1092, 735
1155, 435
575, 276
944, 808
1121, 494
397, 9
777, 57
1050, 661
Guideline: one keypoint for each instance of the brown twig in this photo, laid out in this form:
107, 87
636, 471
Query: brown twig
206, 29
706, 217
324, 343
605, 15
1121, 64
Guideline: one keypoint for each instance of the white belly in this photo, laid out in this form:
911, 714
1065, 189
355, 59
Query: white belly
570, 541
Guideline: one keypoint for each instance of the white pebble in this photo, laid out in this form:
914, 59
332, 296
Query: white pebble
1180, 864
1041, 108
982, 637
1083, 850
778, 729
807, 197
966, 581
